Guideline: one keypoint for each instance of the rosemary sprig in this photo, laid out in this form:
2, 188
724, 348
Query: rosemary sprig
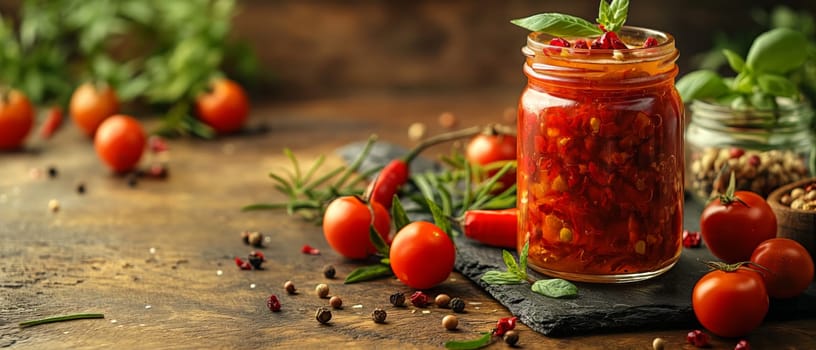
59, 319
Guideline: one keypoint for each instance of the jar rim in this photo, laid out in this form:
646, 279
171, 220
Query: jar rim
538, 42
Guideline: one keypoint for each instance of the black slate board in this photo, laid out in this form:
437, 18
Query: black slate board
661, 302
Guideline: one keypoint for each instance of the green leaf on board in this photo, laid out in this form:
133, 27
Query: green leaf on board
367, 273
555, 288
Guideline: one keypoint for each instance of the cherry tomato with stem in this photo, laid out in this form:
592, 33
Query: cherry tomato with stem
16, 119
422, 255
346, 224
735, 223
488, 148
730, 301
120, 142
224, 107
789, 267
91, 104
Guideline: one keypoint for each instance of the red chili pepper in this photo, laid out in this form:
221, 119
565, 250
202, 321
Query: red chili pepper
492, 227
53, 120
391, 178
505, 324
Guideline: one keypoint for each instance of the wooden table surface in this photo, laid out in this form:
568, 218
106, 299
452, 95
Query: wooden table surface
149, 257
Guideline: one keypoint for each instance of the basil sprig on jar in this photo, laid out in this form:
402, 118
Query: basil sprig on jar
762, 76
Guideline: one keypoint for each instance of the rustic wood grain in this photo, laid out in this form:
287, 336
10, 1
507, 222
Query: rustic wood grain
94, 254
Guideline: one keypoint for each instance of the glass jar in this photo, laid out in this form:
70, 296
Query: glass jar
765, 149
600, 159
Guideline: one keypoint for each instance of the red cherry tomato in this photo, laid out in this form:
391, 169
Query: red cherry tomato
119, 142
422, 255
484, 149
734, 228
790, 267
730, 304
346, 225
16, 119
90, 105
224, 108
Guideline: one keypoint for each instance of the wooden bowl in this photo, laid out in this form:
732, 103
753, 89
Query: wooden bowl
796, 224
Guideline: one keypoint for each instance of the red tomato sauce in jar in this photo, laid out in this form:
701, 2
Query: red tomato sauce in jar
600, 162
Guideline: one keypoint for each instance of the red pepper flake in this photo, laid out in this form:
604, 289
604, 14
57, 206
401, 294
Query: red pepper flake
743, 345
157, 144
650, 42
691, 239
697, 338
505, 324
243, 265
307, 249
273, 303
420, 299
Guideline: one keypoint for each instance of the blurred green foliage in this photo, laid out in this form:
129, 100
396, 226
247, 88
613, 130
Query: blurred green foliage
159, 52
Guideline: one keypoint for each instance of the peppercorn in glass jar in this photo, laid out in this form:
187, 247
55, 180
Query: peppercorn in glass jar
765, 149
600, 163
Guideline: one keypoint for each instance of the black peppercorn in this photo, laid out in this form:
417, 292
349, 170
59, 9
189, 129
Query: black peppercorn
289, 287
133, 180
323, 315
52, 172
457, 305
511, 338
397, 299
329, 271
378, 315
81, 188
256, 259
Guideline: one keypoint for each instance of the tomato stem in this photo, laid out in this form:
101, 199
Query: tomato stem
729, 197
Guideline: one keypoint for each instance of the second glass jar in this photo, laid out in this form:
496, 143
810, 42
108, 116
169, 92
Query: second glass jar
600, 163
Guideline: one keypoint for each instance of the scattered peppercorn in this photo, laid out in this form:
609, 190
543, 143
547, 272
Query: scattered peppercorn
329, 271
256, 258
742, 345
133, 179
255, 239
53, 205
273, 303
457, 305
511, 338
442, 300
416, 131
697, 338
691, 239
322, 290
52, 172
658, 344
336, 302
450, 322
397, 299
378, 315
323, 315
80, 188
504, 325
420, 299
447, 120
289, 286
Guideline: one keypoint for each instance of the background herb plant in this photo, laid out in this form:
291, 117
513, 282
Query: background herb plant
161, 53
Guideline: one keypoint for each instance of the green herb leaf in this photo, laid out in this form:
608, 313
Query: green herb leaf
779, 51
439, 217
512, 267
744, 83
481, 342
613, 15
776, 85
557, 24
734, 60
398, 214
378, 241
555, 288
523, 260
494, 277
701, 84
367, 273
59, 319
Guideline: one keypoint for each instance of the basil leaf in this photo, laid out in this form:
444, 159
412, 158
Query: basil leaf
367, 273
439, 218
701, 84
378, 241
776, 85
481, 342
512, 267
734, 60
398, 214
744, 83
523, 260
557, 24
613, 15
501, 277
555, 288
778, 51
